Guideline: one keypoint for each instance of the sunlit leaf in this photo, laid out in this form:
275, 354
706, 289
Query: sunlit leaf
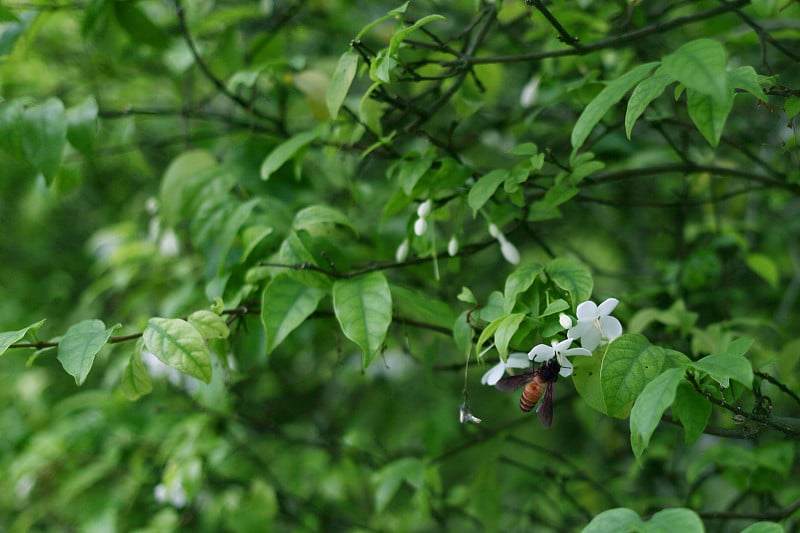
700, 65
7, 338
210, 325
136, 380
178, 344
607, 98
363, 307
340, 82
285, 304
79, 346
650, 405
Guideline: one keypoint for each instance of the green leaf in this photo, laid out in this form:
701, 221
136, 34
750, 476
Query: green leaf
363, 307
708, 114
285, 304
11, 119
7, 338
286, 150
700, 65
614, 521
183, 181
607, 98
340, 82
391, 14
178, 344
138, 26
462, 334
82, 125
421, 306
764, 527
693, 410
746, 79
313, 216
644, 93
572, 277
388, 480
792, 106
44, 136
518, 282
724, 367
650, 405
296, 250
765, 267
506, 328
629, 364
410, 171
209, 324
586, 378
136, 380
78, 347
484, 188
669, 520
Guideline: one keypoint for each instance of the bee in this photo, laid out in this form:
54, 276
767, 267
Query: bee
539, 384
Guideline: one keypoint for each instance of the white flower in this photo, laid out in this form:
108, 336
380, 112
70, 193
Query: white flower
465, 416
529, 93
452, 246
509, 251
424, 209
560, 350
402, 251
420, 225
514, 360
595, 325
565, 321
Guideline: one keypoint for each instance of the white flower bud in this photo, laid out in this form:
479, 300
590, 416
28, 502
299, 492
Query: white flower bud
402, 251
509, 251
565, 321
530, 92
424, 209
420, 226
494, 232
452, 246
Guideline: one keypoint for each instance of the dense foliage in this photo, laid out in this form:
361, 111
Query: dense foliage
261, 259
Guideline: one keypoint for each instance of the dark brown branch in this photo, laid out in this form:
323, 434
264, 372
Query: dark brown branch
563, 34
206, 70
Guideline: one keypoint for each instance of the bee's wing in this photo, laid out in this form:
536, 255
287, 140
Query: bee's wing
545, 409
510, 383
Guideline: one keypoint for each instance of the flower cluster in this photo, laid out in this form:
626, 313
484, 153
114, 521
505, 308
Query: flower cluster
595, 327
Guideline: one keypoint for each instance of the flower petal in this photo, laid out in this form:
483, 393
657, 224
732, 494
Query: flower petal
509, 251
541, 353
580, 329
607, 306
586, 311
494, 374
518, 360
566, 368
611, 327
591, 339
583, 352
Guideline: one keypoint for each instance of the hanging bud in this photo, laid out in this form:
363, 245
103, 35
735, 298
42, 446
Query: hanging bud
402, 251
452, 246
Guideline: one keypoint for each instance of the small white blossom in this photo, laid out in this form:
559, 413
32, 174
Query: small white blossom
174, 494
452, 246
509, 251
565, 321
420, 226
514, 360
424, 209
402, 251
530, 92
595, 325
560, 350
465, 416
